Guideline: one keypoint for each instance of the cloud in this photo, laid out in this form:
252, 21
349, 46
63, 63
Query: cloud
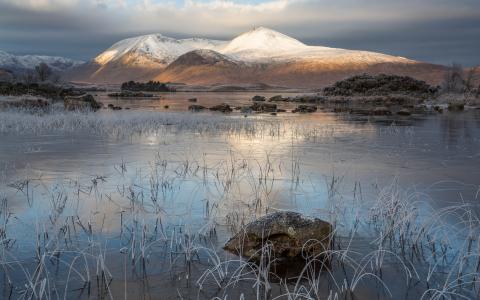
83, 28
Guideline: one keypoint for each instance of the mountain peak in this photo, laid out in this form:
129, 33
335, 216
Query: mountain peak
156, 47
263, 39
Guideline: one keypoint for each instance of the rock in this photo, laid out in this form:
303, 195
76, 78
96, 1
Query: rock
246, 110
456, 106
196, 107
224, 108
273, 113
113, 107
192, 100
307, 99
291, 235
281, 110
360, 112
341, 109
264, 107
381, 111
438, 109
81, 103
305, 109
166, 106
277, 98
404, 112
259, 98
420, 109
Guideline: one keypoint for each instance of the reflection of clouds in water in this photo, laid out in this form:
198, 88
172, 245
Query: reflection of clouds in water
294, 131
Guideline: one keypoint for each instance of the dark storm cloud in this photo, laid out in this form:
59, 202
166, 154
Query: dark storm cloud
438, 31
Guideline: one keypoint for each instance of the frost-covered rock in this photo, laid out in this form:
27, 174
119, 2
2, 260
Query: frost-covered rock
291, 235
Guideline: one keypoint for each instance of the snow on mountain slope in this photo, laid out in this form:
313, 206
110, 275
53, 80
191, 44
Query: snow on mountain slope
262, 39
265, 45
23, 62
155, 47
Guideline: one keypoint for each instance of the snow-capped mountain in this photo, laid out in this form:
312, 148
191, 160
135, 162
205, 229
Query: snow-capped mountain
259, 55
25, 62
265, 45
154, 47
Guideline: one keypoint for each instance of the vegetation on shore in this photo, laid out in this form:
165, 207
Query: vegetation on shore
151, 86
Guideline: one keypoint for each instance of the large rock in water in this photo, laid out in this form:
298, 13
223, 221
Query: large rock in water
82, 103
291, 235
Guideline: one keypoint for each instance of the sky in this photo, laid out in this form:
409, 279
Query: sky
437, 31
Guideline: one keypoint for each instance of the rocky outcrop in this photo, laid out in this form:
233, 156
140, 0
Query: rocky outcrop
290, 234
82, 103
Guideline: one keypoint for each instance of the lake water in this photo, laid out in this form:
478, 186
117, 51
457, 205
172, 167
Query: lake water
134, 197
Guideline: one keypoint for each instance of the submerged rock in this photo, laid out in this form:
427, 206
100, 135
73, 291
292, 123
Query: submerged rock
360, 112
259, 98
113, 107
458, 106
277, 98
196, 107
224, 108
381, 111
192, 100
404, 112
290, 234
305, 109
83, 102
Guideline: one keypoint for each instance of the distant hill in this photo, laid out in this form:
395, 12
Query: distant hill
19, 63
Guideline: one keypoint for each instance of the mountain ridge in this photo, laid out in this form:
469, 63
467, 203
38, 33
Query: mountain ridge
27, 62
259, 55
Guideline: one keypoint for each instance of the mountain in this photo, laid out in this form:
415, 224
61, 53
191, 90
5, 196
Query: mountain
138, 58
19, 63
260, 55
